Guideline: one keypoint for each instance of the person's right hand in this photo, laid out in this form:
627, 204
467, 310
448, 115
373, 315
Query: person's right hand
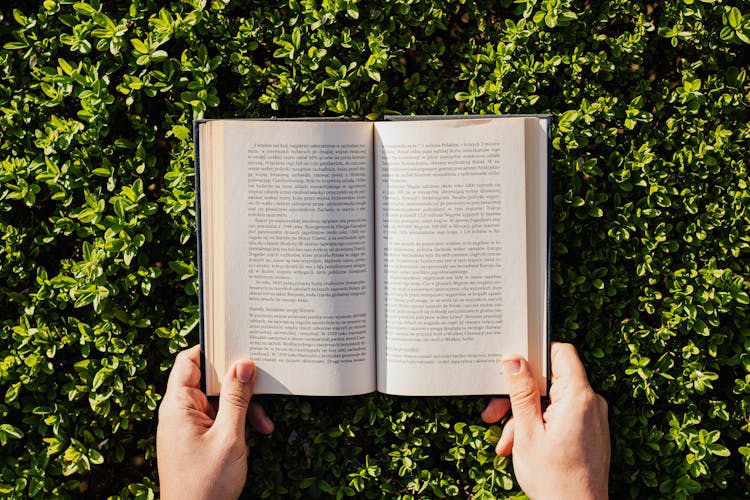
563, 452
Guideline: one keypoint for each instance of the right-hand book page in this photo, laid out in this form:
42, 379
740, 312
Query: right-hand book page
461, 218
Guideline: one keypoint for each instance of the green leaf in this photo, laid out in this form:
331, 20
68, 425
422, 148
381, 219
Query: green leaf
566, 120
734, 17
16, 45
84, 8
700, 327
100, 377
65, 66
12, 393
181, 132
95, 457
11, 431
139, 46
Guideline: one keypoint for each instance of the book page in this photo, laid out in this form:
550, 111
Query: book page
298, 254
451, 251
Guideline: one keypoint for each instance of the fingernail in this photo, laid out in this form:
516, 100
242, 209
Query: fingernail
511, 366
245, 372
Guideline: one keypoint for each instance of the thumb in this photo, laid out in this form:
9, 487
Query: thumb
234, 399
525, 401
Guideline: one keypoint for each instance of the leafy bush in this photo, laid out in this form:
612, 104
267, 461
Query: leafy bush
97, 236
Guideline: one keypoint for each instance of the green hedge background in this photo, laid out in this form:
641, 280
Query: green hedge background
651, 227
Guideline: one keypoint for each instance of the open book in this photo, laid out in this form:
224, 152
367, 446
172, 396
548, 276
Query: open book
402, 256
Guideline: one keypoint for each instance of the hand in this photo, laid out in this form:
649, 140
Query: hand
201, 451
563, 452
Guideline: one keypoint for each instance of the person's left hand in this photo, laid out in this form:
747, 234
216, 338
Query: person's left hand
200, 450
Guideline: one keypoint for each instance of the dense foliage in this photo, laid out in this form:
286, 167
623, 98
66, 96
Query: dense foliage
97, 233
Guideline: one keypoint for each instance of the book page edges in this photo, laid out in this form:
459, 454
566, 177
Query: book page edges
212, 252
537, 167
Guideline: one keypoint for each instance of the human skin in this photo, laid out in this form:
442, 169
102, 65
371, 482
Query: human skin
563, 451
201, 451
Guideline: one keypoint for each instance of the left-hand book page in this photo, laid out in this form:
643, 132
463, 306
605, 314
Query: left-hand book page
286, 272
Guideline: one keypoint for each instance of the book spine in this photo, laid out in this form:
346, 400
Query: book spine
199, 252
549, 252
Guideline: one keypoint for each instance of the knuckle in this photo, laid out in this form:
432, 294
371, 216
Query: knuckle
524, 396
175, 399
236, 399
181, 356
588, 399
182, 398
603, 405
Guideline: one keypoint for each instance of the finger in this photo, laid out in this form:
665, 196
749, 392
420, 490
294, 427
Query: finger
504, 445
604, 422
496, 409
603, 406
258, 419
234, 399
549, 414
566, 365
186, 371
525, 401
